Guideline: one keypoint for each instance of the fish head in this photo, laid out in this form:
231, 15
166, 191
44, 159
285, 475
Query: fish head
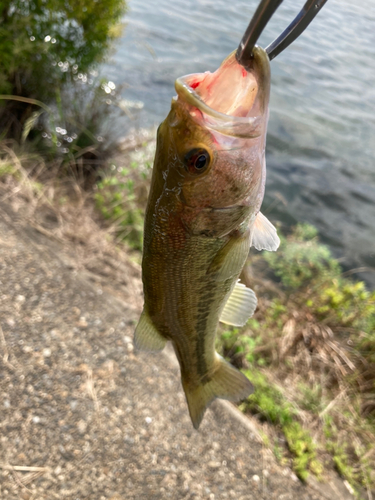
211, 147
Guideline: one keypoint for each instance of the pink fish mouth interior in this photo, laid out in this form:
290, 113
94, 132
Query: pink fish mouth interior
230, 90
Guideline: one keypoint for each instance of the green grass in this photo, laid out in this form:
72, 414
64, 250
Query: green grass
116, 201
318, 333
121, 198
7, 169
269, 404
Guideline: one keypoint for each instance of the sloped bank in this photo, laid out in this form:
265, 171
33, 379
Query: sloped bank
74, 221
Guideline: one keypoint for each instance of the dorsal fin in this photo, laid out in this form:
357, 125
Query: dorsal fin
264, 234
240, 306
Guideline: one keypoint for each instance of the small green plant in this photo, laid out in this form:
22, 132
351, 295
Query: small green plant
268, 401
338, 447
269, 404
311, 397
240, 345
346, 303
303, 448
301, 258
120, 198
116, 202
8, 169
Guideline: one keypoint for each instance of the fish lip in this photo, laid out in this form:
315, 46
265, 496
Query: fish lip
227, 124
185, 91
250, 126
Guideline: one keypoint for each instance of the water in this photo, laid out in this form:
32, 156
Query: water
321, 139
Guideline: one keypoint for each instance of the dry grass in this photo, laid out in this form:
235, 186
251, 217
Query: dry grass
61, 206
57, 205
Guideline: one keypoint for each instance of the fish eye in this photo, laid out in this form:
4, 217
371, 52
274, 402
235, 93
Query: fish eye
197, 160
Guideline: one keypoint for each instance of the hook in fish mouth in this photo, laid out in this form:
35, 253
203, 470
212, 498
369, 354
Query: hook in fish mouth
260, 19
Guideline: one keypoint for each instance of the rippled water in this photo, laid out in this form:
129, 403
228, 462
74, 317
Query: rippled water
321, 140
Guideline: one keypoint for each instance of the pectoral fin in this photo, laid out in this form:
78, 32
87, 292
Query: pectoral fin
231, 258
240, 306
264, 234
146, 336
227, 383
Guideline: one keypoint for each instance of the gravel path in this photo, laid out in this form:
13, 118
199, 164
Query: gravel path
82, 416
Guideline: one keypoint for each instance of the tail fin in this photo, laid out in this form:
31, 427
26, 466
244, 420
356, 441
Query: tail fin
226, 383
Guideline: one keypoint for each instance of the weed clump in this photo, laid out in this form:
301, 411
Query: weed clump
116, 200
310, 352
301, 259
121, 195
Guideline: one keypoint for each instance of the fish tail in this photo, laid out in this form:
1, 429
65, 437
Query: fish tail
226, 383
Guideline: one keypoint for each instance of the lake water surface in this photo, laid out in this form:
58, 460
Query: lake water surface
321, 135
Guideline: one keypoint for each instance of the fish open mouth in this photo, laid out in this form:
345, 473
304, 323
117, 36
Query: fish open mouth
230, 100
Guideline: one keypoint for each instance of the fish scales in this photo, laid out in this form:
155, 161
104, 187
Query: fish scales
201, 217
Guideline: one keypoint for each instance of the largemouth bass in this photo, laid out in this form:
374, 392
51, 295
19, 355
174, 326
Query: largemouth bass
202, 216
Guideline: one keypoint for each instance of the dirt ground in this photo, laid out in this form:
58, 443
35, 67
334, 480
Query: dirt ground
83, 416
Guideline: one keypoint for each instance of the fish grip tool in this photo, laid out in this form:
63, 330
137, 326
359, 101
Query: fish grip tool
260, 19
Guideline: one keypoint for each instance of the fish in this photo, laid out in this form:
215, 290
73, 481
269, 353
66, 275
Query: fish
202, 216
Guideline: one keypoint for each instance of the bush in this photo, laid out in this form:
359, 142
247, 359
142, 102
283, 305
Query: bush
44, 44
80, 129
301, 258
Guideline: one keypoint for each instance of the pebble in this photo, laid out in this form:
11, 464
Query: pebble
82, 323
214, 465
294, 477
82, 426
47, 352
73, 404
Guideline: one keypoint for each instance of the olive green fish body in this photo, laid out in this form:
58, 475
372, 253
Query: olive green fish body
185, 290
201, 217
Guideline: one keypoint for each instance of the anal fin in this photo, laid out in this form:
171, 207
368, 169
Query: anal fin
240, 306
146, 336
226, 383
264, 234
